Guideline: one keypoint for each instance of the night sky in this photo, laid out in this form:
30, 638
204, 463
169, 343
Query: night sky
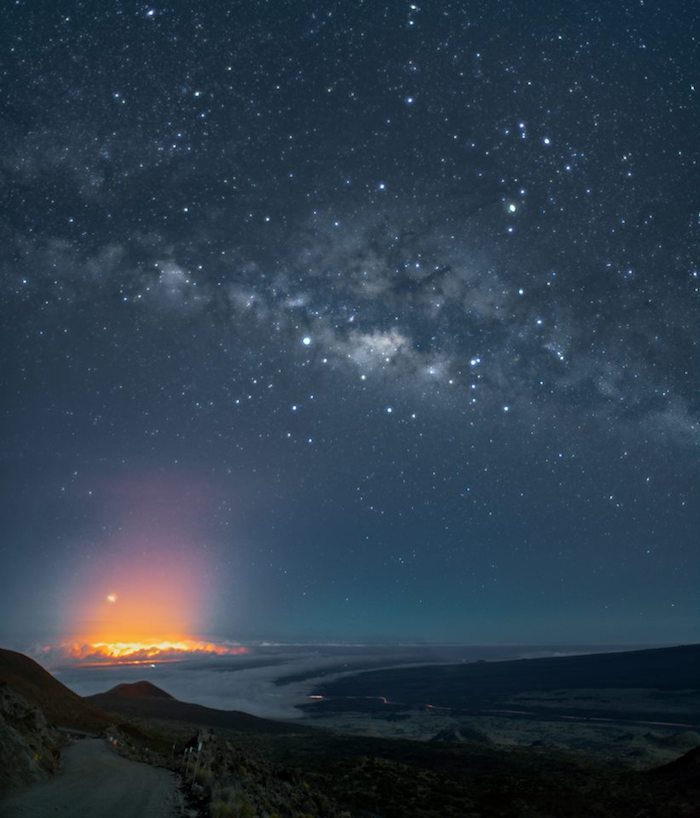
352, 320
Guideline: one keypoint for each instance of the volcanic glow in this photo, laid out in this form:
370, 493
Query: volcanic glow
148, 651
152, 618
147, 593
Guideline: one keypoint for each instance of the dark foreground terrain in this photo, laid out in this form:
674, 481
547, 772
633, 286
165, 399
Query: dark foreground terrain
121, 788
468, 686
635, 709
253, 767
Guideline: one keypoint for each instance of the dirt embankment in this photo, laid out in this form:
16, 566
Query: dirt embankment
97, 781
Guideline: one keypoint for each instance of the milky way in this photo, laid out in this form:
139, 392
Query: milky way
407, 292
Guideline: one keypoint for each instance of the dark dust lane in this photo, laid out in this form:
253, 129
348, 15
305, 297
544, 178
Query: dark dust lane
98, 782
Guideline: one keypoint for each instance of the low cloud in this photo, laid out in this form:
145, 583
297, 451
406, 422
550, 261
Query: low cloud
272, 680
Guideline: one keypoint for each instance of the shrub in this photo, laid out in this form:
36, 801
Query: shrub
246, 810
205, 776
222, 809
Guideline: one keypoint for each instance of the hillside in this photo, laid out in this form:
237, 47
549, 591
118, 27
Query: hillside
29, 747
60, 705
480, 684
145, 700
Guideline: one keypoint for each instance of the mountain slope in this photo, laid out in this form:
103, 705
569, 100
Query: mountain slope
137, 690
479, 683
144, 700
60, 705
29, 747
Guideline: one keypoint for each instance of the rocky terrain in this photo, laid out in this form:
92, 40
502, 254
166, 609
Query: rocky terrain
61, 706
29, 746
295, 772
232, 764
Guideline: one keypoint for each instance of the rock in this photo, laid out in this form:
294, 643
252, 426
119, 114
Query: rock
29, 747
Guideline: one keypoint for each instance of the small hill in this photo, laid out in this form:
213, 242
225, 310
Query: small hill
138, 690
60, 705
145, 700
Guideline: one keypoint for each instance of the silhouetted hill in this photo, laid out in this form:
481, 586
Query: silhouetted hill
683, 774
137, 690
60, 705
144, 700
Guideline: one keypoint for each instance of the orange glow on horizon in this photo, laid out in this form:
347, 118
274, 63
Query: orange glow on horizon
149, 588
160, 610
150, 650
140, 598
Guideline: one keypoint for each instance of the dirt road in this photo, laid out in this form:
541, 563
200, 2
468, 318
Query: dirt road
97, 782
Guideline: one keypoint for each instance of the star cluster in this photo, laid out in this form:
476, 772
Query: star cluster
411, 290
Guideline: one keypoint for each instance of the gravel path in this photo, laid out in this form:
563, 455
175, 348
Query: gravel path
97, 783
